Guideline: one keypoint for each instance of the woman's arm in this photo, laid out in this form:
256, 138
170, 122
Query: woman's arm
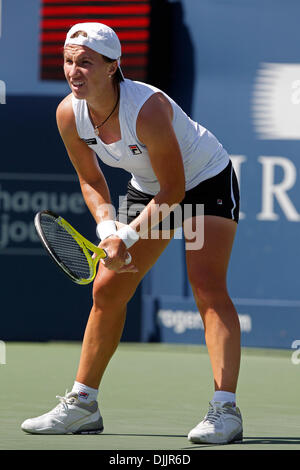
92, 181
155, 130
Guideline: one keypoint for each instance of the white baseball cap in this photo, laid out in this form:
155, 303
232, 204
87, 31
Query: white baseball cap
100, 38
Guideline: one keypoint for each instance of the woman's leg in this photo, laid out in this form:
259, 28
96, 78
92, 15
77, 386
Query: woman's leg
207, 271
111, 294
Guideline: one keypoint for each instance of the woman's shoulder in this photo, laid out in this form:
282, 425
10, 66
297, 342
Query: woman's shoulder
140, 87
65, 105
65, 115
137, 94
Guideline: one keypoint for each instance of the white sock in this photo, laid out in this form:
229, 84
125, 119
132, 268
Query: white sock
85, 393
224, 397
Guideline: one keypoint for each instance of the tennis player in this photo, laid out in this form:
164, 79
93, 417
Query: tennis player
173, 162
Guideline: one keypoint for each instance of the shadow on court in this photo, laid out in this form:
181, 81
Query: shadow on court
253, 441
271, 440
101, 435
145, 435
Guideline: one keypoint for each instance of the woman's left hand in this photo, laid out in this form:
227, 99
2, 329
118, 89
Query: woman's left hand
119, 258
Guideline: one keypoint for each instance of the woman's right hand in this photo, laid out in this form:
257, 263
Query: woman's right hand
117, 255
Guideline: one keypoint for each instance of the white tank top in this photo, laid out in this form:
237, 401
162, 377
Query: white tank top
203, 155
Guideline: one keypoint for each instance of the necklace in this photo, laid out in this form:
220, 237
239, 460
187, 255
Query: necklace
103, 122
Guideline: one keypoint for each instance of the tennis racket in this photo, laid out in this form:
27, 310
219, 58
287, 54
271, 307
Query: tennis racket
73, 253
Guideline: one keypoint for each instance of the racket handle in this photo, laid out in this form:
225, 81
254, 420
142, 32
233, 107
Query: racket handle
128, 259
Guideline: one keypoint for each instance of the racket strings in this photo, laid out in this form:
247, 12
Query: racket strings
66, 248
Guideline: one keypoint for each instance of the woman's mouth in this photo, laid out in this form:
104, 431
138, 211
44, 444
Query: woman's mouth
77, 84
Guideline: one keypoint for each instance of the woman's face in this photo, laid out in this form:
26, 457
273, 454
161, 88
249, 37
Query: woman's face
86, 71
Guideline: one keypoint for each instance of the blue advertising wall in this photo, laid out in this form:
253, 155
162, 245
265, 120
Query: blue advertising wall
243, 68
235, 68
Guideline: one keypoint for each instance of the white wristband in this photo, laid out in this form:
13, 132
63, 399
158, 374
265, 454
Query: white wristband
105, 229
128, 235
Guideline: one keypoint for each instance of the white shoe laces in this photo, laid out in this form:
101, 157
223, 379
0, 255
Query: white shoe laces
213, 414
64, 402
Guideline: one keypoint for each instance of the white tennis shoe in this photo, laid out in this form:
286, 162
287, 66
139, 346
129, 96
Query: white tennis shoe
222, 425
70, 416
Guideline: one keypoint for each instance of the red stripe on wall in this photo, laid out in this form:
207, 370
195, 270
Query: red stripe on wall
96, 10
112, 22
46, 2
126, 49
57, 61
130, 35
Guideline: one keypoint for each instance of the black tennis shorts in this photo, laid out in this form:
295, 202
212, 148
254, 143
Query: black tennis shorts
217, 196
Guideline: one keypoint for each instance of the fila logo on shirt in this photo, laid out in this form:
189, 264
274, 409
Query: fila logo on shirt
135, 150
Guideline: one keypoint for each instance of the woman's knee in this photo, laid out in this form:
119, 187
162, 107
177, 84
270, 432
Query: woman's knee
209, 290
112, 294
